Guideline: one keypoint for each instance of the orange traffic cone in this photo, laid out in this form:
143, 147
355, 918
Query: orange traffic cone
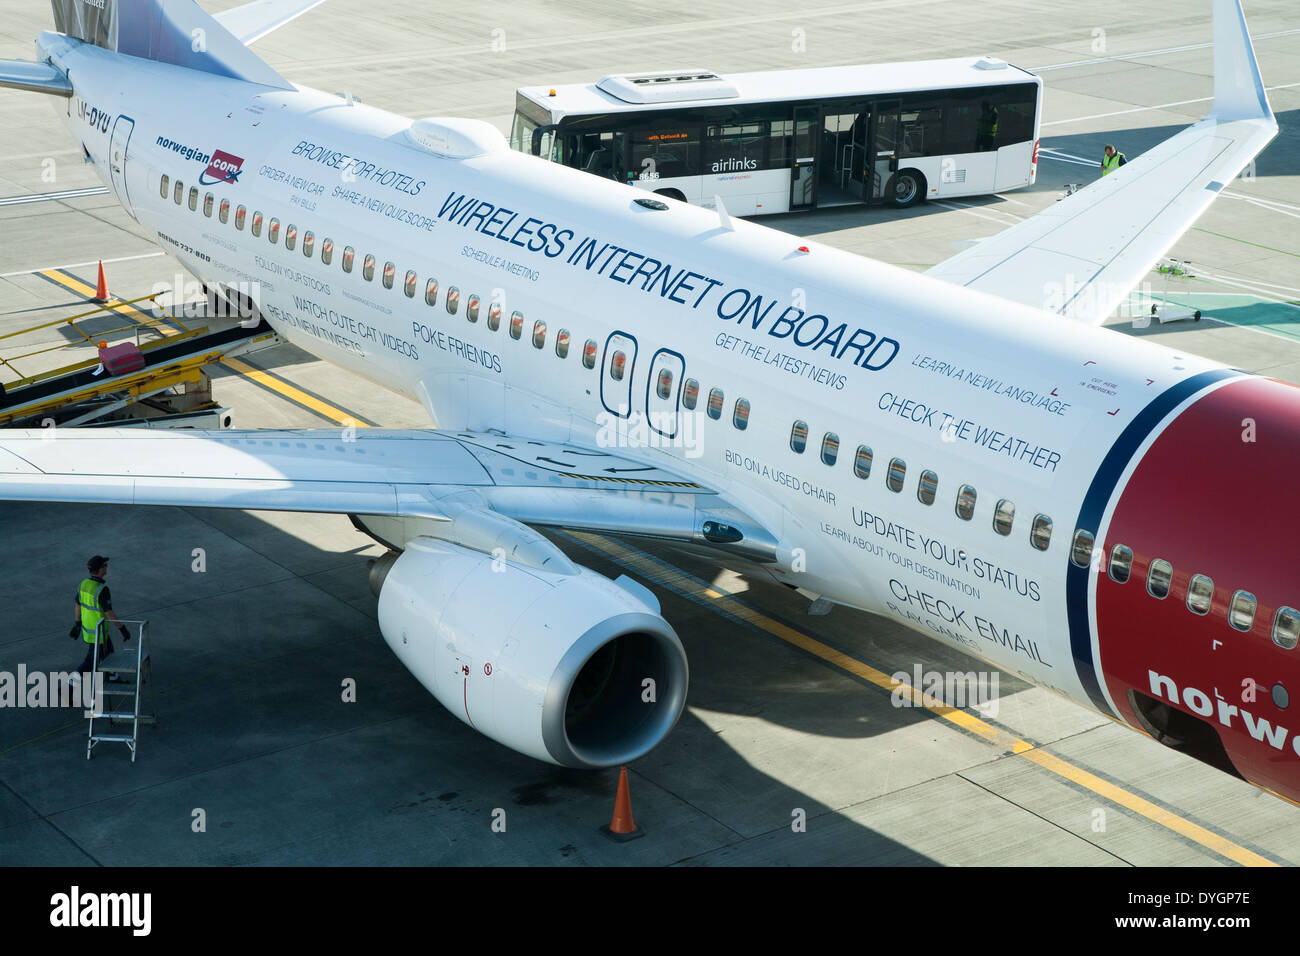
622, 827
101, 290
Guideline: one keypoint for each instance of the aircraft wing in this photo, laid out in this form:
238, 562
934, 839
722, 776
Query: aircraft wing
374, 472
1082, 257
255, 20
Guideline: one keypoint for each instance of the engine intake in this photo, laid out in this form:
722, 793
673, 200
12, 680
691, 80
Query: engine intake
570, 668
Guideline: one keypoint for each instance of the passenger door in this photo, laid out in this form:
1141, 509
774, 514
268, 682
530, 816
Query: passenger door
117, 148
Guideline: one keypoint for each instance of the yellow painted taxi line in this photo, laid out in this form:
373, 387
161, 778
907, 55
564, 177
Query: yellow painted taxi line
972, 724
296, 395
265, 379
73, 284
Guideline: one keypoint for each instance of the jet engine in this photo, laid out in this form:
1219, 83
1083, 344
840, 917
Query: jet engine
568, 667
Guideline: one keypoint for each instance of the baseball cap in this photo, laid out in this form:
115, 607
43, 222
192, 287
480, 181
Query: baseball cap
95, 563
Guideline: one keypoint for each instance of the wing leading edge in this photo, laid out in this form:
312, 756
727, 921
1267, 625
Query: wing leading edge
1082, 257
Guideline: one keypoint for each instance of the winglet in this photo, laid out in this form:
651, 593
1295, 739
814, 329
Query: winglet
1238, 87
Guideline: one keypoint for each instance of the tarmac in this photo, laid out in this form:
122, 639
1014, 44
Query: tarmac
791, 749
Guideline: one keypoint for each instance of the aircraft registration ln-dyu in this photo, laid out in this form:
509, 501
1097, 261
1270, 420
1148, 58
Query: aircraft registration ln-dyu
963, 451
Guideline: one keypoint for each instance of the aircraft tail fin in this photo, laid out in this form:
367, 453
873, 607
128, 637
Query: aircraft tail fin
167, 31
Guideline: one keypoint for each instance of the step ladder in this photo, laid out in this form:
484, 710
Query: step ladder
133, 669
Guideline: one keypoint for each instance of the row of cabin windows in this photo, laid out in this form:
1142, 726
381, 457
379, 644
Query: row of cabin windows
927, 485
451, 300
1200, 590
410, 282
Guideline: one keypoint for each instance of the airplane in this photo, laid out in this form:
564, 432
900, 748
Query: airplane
965, 451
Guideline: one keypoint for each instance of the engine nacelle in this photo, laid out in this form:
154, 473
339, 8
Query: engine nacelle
570, 668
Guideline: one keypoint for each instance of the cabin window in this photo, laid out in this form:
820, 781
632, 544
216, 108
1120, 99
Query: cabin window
1040, 532
1241, 610
862, 462
223, 211
740, 415
368, 268
1004, 515
256, 228
273, 230
664, 384
408, 285
830, 448
589, 354
471, 308
965, 507
1081, 549
179, 194
163, 185
327, 252
431, 292
451, 301
290, 236
715, 404
927, 487
690, 393
1200, 593
308, 243
539, 334
896, 474
1286, 628
494, 318
390, 274
1121, 563
517, 326
240, 213
798, 437
1159, 575
617, 364
562, 340
194, 198
208, 201
349, 258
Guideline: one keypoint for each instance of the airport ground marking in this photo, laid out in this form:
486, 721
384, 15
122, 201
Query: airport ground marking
693, 587
257, 376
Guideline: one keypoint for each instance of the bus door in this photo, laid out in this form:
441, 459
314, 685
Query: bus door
803, 172
885, 144
663, 391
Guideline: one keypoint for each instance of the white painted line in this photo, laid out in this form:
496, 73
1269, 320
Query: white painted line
1146, 53
25, 198
74, 265
958, 207
1067, 158
1262, 204
1159, 106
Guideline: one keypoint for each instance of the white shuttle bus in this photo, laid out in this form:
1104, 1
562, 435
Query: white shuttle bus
789, 140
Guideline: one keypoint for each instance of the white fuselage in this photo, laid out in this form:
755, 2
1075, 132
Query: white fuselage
1017, 403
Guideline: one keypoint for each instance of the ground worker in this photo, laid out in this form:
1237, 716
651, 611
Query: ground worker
1111, 159
94, 605
986, 130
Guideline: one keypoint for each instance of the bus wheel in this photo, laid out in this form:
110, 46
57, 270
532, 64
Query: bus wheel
671, 194
905, 188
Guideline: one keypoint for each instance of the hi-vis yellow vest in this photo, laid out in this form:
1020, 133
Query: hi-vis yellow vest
1110, 163
91, 615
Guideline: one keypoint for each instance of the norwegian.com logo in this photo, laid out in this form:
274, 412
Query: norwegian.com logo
223, 168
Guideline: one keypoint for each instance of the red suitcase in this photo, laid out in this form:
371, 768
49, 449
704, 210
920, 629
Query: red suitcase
121, 359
